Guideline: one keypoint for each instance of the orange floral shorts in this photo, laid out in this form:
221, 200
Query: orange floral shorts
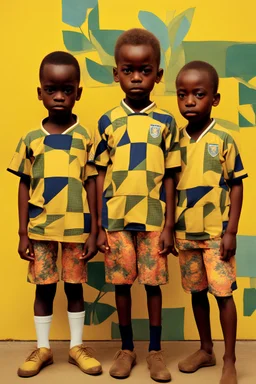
135, 254
44, 269
202, 267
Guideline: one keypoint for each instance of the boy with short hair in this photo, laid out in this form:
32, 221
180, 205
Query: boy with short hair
210, 194
57, 204
137, 154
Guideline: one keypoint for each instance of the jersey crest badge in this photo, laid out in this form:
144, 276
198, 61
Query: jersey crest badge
213, 149
154, 130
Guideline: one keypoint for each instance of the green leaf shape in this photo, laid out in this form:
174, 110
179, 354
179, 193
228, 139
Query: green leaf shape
227, 124
155, 25
96, 313
108, 288
179, 27
101, 73
76, 42
107, 39
74, 11
96, 274
93, 18
101, 312
176, 63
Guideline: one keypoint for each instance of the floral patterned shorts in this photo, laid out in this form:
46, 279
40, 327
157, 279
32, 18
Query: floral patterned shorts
202, 268
135, 254
44, 269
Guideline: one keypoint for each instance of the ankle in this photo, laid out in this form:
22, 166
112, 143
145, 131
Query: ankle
207, 348
231, 359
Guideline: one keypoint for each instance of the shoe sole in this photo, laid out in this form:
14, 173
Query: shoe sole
88, 371
22, 373
120, 377
200, 366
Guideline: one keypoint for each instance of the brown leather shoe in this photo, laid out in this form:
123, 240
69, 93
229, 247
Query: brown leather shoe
157, 367
229, 375
124, 360
197, 360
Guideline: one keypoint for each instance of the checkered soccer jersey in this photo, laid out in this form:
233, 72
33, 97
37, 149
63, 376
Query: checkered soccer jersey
209, 166
57, 166
136, 148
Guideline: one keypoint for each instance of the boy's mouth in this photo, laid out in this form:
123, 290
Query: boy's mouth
190, 113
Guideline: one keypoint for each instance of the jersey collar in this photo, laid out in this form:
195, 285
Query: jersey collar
204, 132
130, 111
66, 131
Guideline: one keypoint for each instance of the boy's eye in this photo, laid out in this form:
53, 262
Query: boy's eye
181, 95
200, 95
68, 90
50, 90
147, 71
126, 71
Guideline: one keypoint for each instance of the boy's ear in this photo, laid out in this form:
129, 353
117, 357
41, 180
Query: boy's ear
39, 93
115, 74
79, 93
159, 75
216, 100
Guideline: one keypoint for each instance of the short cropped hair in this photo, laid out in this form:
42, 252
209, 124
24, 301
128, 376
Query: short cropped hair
60, 58
138, 36
202, 66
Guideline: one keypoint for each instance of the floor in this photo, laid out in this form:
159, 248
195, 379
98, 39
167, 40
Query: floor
13, 353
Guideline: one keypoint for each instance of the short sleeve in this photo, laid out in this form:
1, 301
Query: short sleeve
101, 151
172, 146
21, 164
90, 168
233, 166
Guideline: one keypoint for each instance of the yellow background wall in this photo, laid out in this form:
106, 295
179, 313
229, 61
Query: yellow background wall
31, 29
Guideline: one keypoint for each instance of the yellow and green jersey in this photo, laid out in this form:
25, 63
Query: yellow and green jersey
137, 149
209, 167
56, 165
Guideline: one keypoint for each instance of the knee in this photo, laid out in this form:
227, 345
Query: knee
46, 292
153, 290
73, 291
223, 301
198, 297
123, 290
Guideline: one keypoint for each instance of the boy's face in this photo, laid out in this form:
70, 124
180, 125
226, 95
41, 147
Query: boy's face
137, 71
59, 88
196, 95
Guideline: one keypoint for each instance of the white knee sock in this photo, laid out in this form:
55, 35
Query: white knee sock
43, 324
76, 325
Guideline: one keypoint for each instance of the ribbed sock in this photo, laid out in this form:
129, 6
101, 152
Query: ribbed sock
43, 324
76, 325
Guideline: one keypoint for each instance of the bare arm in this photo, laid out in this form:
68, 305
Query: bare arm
25, 247
167, 236
102, 242
228, 244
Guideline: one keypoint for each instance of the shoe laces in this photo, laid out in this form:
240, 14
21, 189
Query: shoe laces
122, 355
85, 351
34, 356
158, 355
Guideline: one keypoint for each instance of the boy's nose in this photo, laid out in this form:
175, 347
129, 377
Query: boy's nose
190, 100
59, 96
136, 78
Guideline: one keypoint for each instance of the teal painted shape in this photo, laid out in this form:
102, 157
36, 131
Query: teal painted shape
247, 95
107, 39
76, 42
96, 313
227, 124
93, 19
214, 52
249, 301
172, 326
152, 23
246, 256
182, 31
101, 73
74, 11
241, 61
243, 122
179, 27
96, 277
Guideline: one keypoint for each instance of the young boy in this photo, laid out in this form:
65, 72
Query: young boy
137, 153
210, 194
54, 207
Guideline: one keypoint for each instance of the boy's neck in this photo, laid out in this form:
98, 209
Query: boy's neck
195, 129
137, 105
55, 124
